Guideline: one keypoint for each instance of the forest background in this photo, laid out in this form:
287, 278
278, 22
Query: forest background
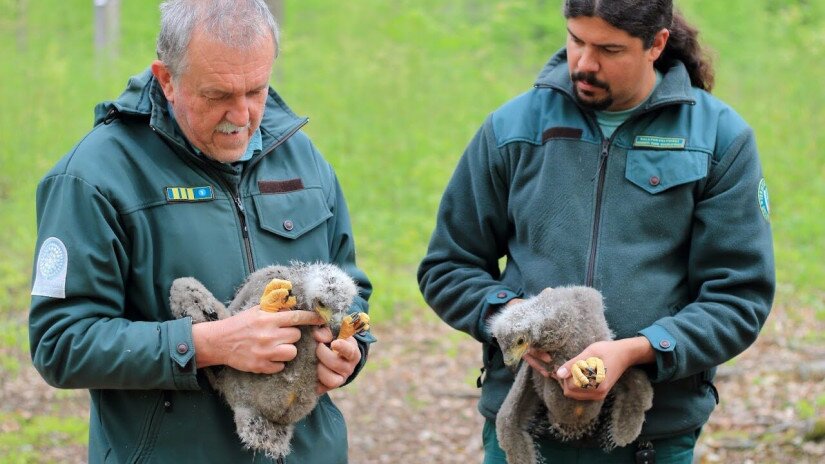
394, 91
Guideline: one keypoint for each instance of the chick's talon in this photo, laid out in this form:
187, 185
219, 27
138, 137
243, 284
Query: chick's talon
353, 324
588, 373
277, 296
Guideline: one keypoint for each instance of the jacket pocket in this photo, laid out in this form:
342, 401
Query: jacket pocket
292, 214
659, 170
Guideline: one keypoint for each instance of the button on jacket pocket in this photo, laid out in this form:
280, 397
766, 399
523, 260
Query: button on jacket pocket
292, 214
658, 170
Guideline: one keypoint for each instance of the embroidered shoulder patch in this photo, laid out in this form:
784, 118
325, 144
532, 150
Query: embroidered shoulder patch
52, 264
651, 141
189, 193
764, 204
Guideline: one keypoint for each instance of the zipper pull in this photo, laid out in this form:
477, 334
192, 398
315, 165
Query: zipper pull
602, 158
242, 211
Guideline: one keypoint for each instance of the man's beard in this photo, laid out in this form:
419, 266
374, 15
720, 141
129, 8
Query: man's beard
590, 78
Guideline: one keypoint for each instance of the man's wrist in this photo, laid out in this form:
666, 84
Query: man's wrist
202, 334
638, 350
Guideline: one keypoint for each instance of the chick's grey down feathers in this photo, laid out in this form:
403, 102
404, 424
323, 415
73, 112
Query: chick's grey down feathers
266, 407
563, 322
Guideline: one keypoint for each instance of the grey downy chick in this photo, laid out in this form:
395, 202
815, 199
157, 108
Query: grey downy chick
563, 322
266, 406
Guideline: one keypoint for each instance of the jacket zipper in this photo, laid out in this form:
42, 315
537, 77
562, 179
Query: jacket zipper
597, 216
239, 208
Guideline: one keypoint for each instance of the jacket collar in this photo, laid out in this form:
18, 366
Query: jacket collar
144, 98
675, 87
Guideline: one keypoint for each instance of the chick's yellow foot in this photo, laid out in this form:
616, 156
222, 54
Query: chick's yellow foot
589, 373
353, 324
277, 296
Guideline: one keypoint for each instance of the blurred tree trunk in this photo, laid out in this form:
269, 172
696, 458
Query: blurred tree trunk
107, 28
277, 9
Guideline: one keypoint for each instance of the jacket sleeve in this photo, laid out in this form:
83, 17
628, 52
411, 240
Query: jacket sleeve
459, 276
342, 253
79, 328
731, 270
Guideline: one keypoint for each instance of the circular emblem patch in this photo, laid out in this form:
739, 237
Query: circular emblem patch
51, 261
764, 204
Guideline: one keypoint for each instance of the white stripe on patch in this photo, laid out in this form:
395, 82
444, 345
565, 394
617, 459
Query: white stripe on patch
52, 263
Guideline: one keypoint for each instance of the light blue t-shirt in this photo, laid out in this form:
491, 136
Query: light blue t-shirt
609, 121
255, 143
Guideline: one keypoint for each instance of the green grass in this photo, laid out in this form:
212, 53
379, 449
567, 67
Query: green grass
394, 91
23, 436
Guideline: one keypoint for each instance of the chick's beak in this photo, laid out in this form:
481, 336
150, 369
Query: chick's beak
324, 312
514, 354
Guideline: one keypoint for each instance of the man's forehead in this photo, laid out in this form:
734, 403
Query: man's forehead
597, 31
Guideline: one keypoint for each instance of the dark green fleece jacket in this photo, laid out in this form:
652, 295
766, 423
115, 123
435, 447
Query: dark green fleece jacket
668, 219
130, 209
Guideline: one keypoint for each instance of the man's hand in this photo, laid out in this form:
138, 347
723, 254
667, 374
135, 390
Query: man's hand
618, 355
335, 362
252, 340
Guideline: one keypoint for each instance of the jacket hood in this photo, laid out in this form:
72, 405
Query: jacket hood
674, 88
143, 97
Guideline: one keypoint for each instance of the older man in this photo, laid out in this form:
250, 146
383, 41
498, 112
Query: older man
197, 169
619, 171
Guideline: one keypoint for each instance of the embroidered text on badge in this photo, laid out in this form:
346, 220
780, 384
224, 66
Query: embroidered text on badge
650, 141
50, 275
189, 193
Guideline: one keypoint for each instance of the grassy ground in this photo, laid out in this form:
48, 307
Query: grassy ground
394, 91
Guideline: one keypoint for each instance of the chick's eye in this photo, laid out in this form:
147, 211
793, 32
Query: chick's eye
520, 341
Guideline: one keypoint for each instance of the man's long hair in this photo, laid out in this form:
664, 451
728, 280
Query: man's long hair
643, 19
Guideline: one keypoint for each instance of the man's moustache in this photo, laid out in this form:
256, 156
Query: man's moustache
589, 79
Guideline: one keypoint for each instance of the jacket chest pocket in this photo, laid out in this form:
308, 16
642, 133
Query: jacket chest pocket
293, 214
658, 170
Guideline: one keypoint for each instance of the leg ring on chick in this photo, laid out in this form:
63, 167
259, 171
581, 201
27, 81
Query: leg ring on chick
277, 296
588, 373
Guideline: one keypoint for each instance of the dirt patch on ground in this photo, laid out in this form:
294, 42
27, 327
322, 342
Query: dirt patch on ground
416, 400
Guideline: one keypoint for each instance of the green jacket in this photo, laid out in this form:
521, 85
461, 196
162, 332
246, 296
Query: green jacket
665, 218
130, 209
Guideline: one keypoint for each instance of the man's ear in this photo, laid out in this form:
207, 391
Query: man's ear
164, 77
659, 43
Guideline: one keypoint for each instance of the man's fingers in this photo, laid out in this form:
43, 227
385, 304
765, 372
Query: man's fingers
540, 355
284, 353
536, 364
329, 378
298, 317
322, 334
347, 349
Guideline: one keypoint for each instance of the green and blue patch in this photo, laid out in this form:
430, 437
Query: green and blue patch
764, 203
663, 143
189, 193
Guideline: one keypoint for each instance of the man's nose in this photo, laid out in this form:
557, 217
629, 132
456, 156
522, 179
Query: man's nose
588, 62
238, 112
